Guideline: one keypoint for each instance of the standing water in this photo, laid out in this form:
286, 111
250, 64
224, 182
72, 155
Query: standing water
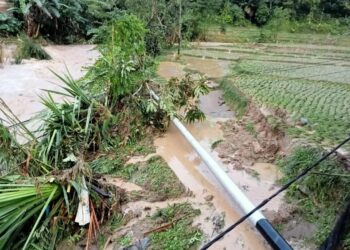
195, 175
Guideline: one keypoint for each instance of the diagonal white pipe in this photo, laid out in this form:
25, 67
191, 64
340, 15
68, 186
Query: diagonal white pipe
231, 188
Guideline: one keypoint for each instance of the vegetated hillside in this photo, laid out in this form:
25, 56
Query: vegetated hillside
67, 21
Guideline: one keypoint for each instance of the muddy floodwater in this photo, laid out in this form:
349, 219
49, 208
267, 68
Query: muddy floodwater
22, 85
195, 175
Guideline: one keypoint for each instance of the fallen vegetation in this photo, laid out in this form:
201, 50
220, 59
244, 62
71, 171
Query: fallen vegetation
181, 235
320, 196
56, 163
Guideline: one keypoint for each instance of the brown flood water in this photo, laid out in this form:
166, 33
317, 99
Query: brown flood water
21, 85
195, 175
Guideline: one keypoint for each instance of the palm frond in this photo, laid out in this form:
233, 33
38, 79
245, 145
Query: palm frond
20, 203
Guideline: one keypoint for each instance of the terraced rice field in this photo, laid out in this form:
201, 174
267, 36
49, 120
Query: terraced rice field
311, 82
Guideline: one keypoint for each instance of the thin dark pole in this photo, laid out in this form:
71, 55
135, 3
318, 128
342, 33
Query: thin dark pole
180, 27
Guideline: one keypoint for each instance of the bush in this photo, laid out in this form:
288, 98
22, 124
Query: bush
28, 48
9, 25
192, 27
266, 36
238, 16
262, 14
153, 44
332, 26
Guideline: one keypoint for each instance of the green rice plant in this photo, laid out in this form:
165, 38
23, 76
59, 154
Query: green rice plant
323, 104
234, 97
28, 48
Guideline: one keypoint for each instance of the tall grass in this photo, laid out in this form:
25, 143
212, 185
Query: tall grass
322, 193
28, 48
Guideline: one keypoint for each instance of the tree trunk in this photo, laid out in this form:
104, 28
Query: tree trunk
31, 24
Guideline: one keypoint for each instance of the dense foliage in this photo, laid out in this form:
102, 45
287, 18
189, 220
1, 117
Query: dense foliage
67, 21
106, 112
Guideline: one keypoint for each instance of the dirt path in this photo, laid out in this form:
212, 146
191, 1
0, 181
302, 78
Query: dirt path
21, 85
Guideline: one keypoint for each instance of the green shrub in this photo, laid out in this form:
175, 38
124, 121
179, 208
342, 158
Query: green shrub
266, 36
9, 25
262, 14
28, 48
238, 17
327, 26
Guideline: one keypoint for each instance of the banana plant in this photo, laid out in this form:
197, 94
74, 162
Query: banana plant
35, 13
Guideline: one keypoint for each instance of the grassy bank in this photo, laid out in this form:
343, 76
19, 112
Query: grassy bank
255, 34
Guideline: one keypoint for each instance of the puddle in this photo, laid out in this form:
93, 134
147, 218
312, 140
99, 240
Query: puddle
214, 107
127, 186
170, 69
257, 188
194, 174
140, 158
210, 67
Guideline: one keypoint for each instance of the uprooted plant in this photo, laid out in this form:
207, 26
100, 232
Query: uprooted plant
110, 108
